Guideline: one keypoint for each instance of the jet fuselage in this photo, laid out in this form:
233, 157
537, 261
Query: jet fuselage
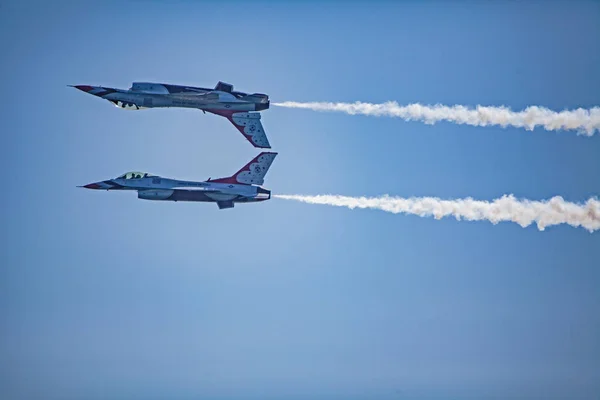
153, 95
237, 107
151, 187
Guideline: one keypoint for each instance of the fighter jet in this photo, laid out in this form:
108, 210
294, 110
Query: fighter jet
222, 100
242, 187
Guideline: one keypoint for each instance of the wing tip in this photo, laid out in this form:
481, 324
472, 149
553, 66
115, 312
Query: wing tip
257, 145
267, 153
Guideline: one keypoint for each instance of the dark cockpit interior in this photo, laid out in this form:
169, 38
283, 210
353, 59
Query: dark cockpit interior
134, 175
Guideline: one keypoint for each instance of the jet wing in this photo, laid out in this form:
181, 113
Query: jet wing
211, 195
197, 189
248, 123
208, 97
199, 95
211, 97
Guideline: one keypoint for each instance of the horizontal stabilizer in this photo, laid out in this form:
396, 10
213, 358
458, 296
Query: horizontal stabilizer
225, 204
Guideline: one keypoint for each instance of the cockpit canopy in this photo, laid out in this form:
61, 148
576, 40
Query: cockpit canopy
134, 175
146, 87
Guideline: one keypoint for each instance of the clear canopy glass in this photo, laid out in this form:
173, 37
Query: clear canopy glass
134, 175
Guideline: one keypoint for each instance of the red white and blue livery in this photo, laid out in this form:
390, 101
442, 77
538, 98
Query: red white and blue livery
245, 186
237, 107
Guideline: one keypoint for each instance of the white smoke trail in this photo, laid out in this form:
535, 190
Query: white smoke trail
507, 208
584, 121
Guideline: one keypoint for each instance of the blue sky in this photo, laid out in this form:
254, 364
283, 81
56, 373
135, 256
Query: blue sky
103, 295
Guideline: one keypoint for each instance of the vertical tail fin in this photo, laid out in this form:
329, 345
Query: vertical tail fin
252, 173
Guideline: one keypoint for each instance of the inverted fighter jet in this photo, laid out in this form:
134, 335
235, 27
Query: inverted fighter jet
242, 187
222, 100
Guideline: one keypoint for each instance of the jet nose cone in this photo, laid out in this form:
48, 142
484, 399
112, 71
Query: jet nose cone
92, 186
83, 88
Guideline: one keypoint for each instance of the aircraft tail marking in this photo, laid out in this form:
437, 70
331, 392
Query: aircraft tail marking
249, 125
252, 173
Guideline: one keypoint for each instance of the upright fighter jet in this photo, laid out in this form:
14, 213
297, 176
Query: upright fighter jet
242, 187
222, 100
